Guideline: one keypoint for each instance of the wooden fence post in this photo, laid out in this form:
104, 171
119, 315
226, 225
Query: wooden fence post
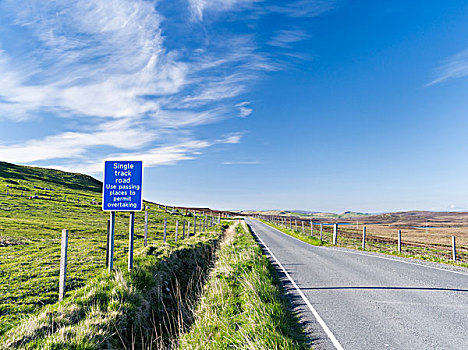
63, 265
454, 249
165, 229
335, 234
364, 238
146, 229
176, 229
183, 229
131, 231
188, 229
312, 228
321, 231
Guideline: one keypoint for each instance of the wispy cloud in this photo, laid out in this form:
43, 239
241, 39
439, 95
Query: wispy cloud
453, 67
244, 110
199, 6
290, 8
246, 162
284, 38
114, 69
303, 8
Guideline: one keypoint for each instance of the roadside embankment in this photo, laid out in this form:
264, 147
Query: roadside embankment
243, 305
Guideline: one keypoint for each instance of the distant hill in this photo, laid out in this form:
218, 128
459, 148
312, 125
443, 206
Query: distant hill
308, 214
27, 179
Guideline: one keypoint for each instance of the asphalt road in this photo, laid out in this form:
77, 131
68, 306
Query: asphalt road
369, 301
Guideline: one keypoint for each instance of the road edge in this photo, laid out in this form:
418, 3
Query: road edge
319, 319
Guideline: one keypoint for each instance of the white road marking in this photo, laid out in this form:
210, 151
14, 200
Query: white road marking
309, 305
370, 255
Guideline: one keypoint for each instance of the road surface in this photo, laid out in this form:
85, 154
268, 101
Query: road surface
368, 301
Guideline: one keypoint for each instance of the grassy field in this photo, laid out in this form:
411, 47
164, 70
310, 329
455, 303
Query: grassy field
30, 231
242, 306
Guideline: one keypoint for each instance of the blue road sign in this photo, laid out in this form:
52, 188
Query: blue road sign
122, 186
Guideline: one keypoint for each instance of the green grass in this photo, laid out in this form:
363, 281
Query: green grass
427, 254
145, 308
30, 231
243, 306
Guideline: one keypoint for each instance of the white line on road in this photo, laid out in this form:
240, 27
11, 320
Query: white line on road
366, 254
309, 305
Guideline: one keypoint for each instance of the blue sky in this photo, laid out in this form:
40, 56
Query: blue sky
245, 104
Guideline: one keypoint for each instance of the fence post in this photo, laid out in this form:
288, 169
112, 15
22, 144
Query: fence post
194, 224
146, 229
302, 227
335, 233
364, 238
454, 249
131, 231
107, 242
321, 231
183, 229
176, 229
111, 240
165, 229
312, 228
399, 241
188, 229
63, 265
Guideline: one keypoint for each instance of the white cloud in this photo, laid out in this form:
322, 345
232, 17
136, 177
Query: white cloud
244, 111
303, 8
199, 6
247, 162
453, 67
284, 38
107, 60
232, 139
290, 8
92, 58
120, 134
161, 155
107, 67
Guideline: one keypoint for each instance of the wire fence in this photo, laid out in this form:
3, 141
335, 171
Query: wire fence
446, 243
30, 247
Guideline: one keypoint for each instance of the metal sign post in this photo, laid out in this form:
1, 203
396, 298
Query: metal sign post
122, 191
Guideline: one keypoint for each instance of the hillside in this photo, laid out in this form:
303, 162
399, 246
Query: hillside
24, 178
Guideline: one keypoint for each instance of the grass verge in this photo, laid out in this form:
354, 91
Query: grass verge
243, 305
